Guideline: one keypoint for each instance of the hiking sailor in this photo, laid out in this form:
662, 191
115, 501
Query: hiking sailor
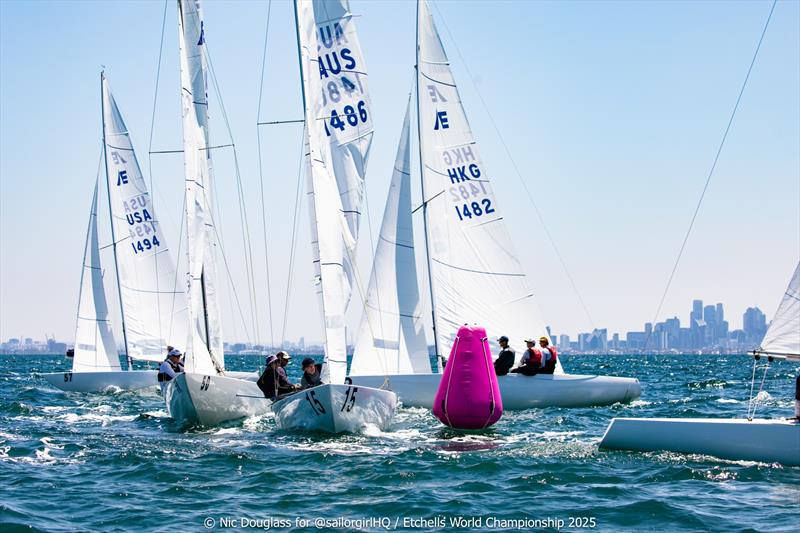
170, 368
505, 360
311, 376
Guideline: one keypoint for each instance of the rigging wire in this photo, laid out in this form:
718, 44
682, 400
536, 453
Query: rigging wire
246, 240
711, 172
518, 173
295, 222
150, 174
261, 176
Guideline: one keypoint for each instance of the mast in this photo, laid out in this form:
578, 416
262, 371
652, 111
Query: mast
111, 217
425, 207
299, 55
205, 311
111, 221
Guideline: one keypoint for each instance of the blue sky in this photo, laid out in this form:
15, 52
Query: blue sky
612, 110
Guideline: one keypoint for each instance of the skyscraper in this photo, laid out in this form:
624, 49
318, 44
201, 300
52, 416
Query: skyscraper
754, 324
697, 311
720, 314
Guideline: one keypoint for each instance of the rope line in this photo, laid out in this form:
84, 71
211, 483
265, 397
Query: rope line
261, 176
711, 172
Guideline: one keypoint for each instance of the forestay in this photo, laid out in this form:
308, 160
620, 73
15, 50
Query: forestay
391, 339
95, 349
153, 301
476, 274
204, 350
783, 334
339, 129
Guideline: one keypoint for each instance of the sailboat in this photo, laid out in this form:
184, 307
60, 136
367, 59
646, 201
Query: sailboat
474, 274
205, 393
750, 439
339, 134
152, 305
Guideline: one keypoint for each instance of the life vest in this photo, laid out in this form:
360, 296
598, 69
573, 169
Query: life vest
535, 357
538, 356
163, 376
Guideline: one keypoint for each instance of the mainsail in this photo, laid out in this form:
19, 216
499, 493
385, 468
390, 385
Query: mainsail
391, 339
204, 350
152, 298
783, 334
339, 128
95, 349
476, 275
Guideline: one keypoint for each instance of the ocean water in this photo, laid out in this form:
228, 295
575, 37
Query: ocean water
115, 461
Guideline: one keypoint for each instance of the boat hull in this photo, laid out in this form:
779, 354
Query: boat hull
518, 391
212, 400
768, 441
100, 381
336, 409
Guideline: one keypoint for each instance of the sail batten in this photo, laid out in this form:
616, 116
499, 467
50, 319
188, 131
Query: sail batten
153, 306
475, 272
338, 117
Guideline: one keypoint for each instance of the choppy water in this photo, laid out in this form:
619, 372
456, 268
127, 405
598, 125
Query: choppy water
115, 461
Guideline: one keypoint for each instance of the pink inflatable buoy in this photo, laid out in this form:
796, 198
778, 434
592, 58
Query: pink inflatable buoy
468, 396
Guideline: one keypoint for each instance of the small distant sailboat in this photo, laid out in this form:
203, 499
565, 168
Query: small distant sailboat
750, 439
153, 308
474, 273
205, 393
339, 134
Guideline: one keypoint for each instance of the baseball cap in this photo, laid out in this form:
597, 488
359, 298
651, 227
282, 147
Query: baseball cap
174, 353
271, 359
503, 338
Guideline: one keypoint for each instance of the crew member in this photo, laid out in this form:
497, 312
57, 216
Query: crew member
268, 382
505, 360
797, 398
531, 360
284, 385
271, 383
548, 356
311, 377
170, 368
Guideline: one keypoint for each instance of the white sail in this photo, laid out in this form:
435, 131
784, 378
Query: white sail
204, 351
153, 300
783, 334
391, 339
476, 275
95, 349
339, 131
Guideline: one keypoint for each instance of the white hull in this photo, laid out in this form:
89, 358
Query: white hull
211, 400
768, 441
518, 392
336, 409
100, 381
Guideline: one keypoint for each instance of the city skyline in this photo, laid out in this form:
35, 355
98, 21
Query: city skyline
613, 140
744, 338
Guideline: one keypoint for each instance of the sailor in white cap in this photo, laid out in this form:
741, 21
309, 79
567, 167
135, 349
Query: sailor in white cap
170, 368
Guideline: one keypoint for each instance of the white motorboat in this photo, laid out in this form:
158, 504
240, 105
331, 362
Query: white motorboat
336, 409
474, 273
752, 439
